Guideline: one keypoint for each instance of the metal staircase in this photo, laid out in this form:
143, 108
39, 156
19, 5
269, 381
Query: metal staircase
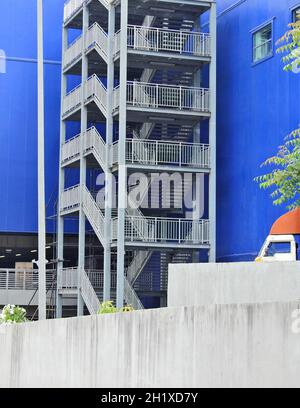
138, 62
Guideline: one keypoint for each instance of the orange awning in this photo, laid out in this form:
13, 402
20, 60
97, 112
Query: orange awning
288, 224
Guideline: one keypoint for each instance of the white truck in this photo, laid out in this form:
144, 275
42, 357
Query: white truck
283, 243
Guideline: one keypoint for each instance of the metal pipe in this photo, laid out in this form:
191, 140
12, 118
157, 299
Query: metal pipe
41, 167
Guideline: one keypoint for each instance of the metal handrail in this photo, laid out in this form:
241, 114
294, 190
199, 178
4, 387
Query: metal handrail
71, 7
72, 100
164, 96
155, 152
95, 88
163, 40
158, 229
73, 52
71, 148
93, 141
23, 279
70, 198
176, 41
94, 214
88, 293
96, 35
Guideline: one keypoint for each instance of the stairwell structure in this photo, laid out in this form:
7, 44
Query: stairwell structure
140, 65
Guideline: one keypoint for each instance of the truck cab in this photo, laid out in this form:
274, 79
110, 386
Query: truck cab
283, 243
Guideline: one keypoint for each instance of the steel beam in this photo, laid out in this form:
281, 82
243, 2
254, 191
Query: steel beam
109, 141
41, 168
213, 131
122, 188
61, 185
83, 167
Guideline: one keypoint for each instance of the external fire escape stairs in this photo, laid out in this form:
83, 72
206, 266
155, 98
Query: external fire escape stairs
165, 52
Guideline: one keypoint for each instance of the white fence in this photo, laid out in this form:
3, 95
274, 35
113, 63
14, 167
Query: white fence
96, 89
71, 149
150, 152
168, 230
131, 297
72, 100
88, 293
68, 279
94, 141
157, 39
94, 214
28, 279
162, 40
73, 52
24, 279
97, 36
71, 7
70, 198
166, 96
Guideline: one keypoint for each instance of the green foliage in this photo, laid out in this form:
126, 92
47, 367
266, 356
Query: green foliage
291, 45
127, 309
12, 314
284, 178
109, 307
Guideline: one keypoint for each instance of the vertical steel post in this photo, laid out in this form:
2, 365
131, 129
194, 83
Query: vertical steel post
122, 188
109, 142
41, 167
61, 185
212, 131
83, 167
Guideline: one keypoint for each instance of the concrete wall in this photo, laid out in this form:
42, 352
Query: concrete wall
23, 297
205, 284
210, 346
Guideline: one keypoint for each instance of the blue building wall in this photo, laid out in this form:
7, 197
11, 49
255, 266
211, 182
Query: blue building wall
258, 105
18, 111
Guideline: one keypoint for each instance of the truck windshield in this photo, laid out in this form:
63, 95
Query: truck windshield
278, 248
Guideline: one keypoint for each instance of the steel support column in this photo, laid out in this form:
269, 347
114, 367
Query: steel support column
109, 141
212, 131
61, 185
122, 188
83, 167
41, 169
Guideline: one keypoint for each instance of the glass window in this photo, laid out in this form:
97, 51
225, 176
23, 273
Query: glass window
278, 248
296, 15
263, 43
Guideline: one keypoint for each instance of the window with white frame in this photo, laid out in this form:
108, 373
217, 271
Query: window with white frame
296, 15
263, 43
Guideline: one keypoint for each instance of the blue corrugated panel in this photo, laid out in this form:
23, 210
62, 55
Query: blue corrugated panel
258, 105
18, 110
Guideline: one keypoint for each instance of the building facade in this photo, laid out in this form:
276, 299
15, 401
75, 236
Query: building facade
257, 108
141, 105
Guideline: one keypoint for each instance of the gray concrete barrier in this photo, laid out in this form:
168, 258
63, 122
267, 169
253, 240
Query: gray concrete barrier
201, 346
205, 284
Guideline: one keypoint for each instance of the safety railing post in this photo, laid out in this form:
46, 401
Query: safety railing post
7, 278
180, 154
179, 231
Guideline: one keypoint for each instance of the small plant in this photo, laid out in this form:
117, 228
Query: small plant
12, 314
127, 309
109, 308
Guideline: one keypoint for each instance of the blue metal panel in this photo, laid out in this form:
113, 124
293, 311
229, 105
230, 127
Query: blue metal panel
257, 107
297, 239
18, 111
